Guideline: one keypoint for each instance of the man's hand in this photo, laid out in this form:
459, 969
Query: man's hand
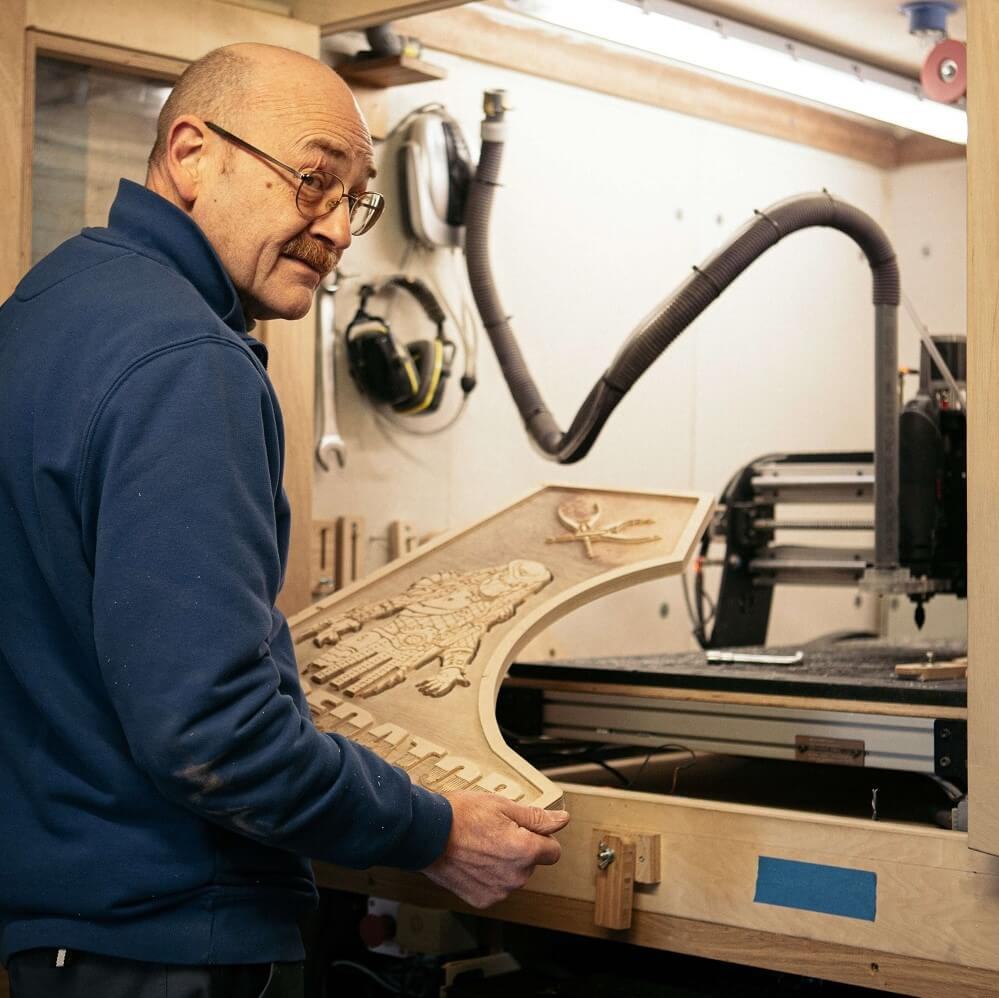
494, 846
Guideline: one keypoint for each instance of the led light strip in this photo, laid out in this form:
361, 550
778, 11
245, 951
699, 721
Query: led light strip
680, 34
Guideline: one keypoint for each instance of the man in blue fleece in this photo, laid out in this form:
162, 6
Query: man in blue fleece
161, 779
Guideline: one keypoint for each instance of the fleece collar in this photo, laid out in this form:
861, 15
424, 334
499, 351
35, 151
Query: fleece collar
145, 223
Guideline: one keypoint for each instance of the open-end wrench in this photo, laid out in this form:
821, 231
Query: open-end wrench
330, 442
747, 658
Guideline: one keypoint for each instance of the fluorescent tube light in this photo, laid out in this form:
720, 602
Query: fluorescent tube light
681, 34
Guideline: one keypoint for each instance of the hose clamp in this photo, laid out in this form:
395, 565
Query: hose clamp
764, 215
709, 279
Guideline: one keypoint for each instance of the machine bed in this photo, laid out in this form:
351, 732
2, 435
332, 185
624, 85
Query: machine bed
848, 670
841, 705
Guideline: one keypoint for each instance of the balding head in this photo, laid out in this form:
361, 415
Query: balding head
230, 82
209, 88
291, 108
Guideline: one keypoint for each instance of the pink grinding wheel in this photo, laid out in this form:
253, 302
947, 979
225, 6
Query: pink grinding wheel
945, 72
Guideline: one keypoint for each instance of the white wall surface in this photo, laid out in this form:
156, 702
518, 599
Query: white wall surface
928, 222
606, 204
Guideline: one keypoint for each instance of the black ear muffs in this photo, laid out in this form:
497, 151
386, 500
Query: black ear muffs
410, 377
433, 362
380, 366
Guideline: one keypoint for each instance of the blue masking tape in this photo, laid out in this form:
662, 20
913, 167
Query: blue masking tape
831, 890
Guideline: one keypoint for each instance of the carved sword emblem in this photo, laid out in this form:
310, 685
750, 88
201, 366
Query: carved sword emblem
580, 516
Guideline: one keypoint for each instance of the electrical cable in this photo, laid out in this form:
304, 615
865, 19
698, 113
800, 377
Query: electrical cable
954, 793
413, 431
555, 746
408, 117
466, 326
614, 771
696, 623
409, 249
931, 348
699, 621
676, 769
560, 751
712, 607
701, 596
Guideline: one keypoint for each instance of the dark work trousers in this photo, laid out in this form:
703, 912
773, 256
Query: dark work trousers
50, 973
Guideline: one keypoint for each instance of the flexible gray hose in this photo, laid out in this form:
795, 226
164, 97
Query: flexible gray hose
667, 320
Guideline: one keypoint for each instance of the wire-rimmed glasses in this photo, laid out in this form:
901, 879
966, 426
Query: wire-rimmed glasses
319, 192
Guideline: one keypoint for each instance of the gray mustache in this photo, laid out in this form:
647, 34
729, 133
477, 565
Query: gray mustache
312, 252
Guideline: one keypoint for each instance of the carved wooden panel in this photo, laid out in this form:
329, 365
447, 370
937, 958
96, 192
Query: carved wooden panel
409, 660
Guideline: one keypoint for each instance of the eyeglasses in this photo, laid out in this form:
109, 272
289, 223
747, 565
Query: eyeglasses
320, 193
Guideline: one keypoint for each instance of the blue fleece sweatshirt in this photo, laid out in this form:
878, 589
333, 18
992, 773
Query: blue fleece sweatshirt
160, 777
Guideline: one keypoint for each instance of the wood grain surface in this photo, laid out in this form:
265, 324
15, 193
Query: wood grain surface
983, 424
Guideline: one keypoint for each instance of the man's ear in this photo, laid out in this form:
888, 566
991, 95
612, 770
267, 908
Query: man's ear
185, 156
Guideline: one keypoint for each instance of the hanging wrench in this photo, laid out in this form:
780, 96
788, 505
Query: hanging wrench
330, 442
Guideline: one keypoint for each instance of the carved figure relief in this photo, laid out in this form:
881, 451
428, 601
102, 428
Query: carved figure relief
580, 516
439, 620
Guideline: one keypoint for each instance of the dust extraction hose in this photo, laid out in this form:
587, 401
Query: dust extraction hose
669, 318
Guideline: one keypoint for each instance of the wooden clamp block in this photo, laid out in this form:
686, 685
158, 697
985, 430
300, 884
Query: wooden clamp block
621, 861
614, 863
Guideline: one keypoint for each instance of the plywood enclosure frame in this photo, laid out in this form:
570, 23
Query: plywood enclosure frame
855, 965
705, 902
983, 425
334, 15
107, 56
180, 29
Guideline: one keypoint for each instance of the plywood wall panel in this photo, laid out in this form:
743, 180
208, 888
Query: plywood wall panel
12, 107
181, 29
291, 366
983, 425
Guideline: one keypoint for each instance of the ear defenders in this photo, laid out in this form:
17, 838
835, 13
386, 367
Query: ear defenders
409, 377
